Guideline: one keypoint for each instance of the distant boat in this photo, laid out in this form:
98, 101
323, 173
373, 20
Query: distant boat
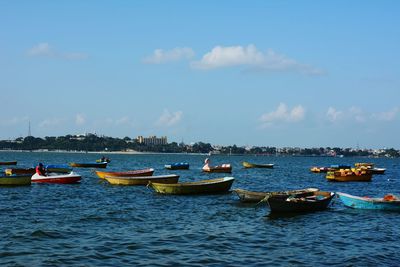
318, 201
11, 171
89, 165
8, 162
255, 197
177, 166
131, 173
143, 180
333, 167
370, 166
70, 178
15, 180
253, 165
389, 202
58, 168
349, 175
220, 168
214, 186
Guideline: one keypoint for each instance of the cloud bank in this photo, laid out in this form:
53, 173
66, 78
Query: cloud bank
45, 50
283, 114
168, 119
160, 56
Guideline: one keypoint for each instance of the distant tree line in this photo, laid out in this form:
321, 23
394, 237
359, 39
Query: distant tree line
93, 142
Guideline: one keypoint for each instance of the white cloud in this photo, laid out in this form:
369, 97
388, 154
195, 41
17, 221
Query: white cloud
168, 119
220, 57
45, 50
357, 114
333, 114
80, 119
386, 116
283, 114
50, 122
160, 56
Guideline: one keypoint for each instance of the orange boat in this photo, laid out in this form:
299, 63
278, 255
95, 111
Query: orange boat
220, 168
132, 173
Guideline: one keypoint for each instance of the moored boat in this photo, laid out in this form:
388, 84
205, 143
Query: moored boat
131, 173
89, 165
15, 179
388, 202
70, 178
58, 168
253, 165
11, 171
333, 167
143, 180
14, 162
318, 201
177, 166
349, 175
378, 170
255, 197
220, 168
213, 186
370, 167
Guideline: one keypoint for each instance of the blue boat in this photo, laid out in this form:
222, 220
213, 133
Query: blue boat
177, 166
388, 202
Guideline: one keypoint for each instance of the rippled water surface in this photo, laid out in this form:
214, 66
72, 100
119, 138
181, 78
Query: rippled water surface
96, 224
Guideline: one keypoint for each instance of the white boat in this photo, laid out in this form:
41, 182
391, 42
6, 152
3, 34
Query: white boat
56, 178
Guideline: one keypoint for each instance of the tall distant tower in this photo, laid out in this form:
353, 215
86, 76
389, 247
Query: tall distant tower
29, 129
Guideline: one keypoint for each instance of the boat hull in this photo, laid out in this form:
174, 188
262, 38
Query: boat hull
214, 186
246, 196
286, 204
177, 166
11, 171
15, 180
70, 178
132, 173
252, 165
89, 165
8, 162
144, 180
218, 169
361, 176
356, 202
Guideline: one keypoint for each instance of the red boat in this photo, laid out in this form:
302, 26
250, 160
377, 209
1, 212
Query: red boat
70, 178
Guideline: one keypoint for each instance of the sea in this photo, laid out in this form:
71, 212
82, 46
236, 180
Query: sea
97, 224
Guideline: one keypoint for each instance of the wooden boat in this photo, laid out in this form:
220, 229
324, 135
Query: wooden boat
11, 171
253, 165
330, 168
132, 173
58, 168
378, 170
214, 186
143, 180
15, 179
221, 168
177, 166
89, 165
370, 166
318, 201
388, 202
255, 197
364, 164
319, 169
349, 175
8, 162
70, 178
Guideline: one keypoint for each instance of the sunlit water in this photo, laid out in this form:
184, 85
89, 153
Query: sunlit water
96, 224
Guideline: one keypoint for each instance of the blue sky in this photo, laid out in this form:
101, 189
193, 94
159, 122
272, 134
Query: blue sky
273, 73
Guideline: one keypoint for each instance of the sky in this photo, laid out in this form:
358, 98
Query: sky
264, 73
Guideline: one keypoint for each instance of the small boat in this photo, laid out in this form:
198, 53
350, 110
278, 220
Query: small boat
143, 180
220, 168
8, 162
253, 165
89, 165
378, 170
318, 201
177, 166
58, 168
15, 179
330, 168
255, 197
349, 175
11, 171
103, 160
70, 178
214, 186
388, 202
364, 164
132, 173
370, 166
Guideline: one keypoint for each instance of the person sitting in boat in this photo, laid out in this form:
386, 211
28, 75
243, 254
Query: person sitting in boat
206, 164
40, 169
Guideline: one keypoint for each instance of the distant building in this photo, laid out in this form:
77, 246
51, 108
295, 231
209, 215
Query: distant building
152, 140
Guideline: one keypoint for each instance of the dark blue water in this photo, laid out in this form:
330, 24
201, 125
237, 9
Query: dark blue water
96, 224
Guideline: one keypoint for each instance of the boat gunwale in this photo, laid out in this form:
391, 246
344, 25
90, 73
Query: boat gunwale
199, 183
367, 199
142, 177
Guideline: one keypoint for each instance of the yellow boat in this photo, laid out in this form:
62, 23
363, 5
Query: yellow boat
213, 186
349, 175
14, 180
253, 165
131, 173
143, 180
